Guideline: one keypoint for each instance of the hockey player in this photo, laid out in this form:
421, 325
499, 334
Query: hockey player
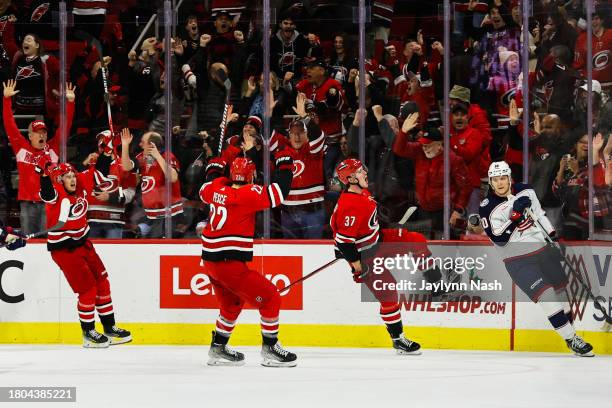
227, 244
10, 238
354, 223
66, 194
534, 266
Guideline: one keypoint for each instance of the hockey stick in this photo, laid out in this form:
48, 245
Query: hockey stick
57, 226
227, 109
407, 215
227, 112
303, 278
402, 221
40, 233
94, 42
578, 276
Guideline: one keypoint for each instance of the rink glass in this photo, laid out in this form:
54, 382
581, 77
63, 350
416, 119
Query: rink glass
440, 21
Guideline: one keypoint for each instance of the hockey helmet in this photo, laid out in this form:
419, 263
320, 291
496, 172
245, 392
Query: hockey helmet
57, 172
242, 170
347, 168
499, 168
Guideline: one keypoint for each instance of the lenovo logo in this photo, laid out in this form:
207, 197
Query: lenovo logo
185, 285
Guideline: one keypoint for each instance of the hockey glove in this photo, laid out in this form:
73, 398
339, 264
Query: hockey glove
518, 209
42, 162
13, 238
359, 276
283, 160
215, 167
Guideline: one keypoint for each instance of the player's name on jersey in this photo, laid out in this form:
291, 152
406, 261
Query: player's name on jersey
406, 285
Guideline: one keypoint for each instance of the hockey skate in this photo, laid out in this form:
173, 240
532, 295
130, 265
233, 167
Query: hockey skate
580, 347
223, 355
277, 356
404, 346
93, 339
117, 335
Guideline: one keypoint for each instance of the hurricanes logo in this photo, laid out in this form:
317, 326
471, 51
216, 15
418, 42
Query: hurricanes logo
78, 209
26, 72
298, 167
373, 221
600, 60
110, 184
147, 184
286, 59
577, 294
507, 96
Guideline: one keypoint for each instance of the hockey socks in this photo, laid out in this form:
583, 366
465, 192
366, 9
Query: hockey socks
269, 330
391, 315
223, 330
554, 308
104, 307
86, 316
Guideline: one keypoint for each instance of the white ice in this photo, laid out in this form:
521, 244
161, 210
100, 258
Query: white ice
176, 376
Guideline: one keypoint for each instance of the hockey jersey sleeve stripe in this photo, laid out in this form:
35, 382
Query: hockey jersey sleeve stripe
368, 237
275, 194
228, 248
343, 238
62, 232
316, 145
201, 193
299, 191
227, 238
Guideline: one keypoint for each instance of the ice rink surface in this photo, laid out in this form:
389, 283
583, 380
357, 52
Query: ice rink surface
176, 376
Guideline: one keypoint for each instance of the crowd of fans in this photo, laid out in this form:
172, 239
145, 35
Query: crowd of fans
217, 58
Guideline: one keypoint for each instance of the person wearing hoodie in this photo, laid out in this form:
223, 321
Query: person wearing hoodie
287, 49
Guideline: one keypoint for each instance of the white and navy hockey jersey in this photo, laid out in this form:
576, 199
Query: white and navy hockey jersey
512, 239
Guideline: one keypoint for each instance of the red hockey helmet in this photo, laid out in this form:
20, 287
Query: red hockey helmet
58, 171
347, 168
242, 170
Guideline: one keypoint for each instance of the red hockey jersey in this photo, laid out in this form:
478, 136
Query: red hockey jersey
70, 209
118, 182
355, 222
308, 185
602, 65
26, 155
153, 187
330, 121
229, 232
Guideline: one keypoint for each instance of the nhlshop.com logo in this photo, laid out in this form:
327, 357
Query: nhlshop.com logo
183, 283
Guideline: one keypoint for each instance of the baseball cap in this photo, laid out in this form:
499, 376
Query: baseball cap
317, 62
431, 135
223, 13
595, 85
460, 92
38, 125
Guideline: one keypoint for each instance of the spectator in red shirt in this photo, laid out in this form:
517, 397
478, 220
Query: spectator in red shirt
329, 103
468, 144
429, 179
32, 213
602, 54
152, 165
477, 117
